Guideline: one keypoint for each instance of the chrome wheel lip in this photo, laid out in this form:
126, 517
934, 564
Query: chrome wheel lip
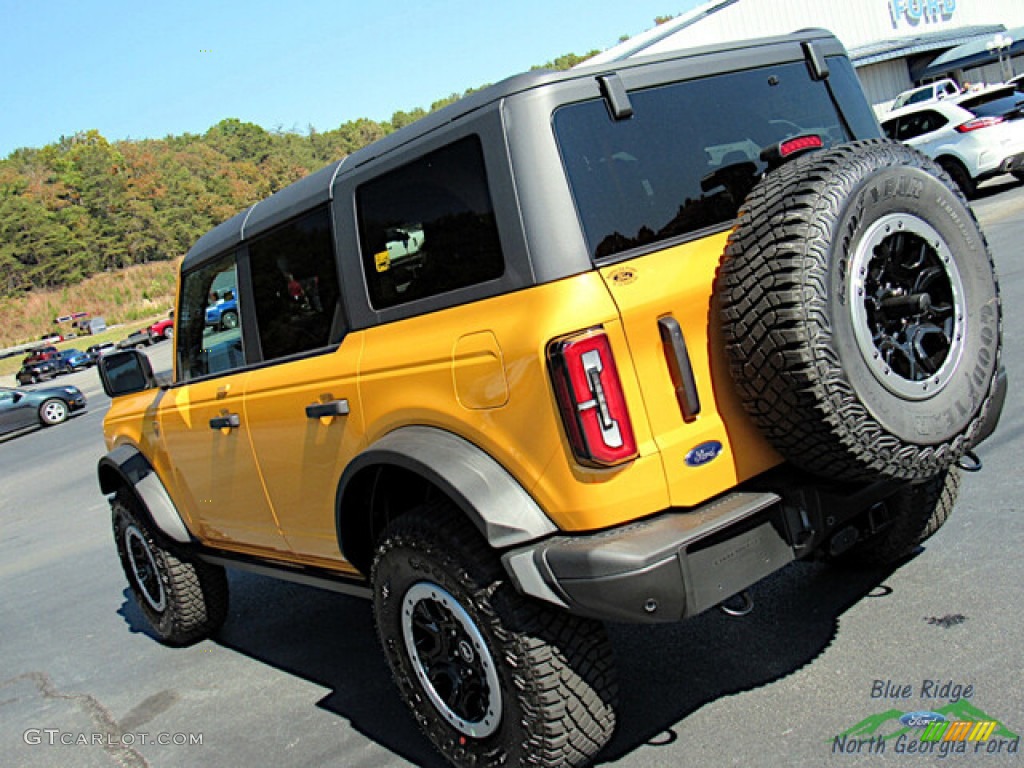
481, 658
144, 568
885, 227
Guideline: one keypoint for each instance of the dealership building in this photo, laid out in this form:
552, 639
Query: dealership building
894, 44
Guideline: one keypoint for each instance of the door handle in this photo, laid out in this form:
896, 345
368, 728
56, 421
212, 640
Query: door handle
322, 410
231, 421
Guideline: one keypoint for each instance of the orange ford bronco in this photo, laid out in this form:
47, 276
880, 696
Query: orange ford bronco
607, 344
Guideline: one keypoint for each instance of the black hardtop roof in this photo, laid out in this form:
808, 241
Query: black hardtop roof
317, 188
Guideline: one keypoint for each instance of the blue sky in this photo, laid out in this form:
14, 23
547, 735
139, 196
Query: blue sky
147, 70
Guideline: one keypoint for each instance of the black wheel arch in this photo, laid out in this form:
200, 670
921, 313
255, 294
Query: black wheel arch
125, 469
409, 467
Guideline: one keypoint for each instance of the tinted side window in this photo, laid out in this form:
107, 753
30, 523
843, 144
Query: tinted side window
920, 123
428, 227
688, 156
209, 331
295, 285
919, 96
891, 128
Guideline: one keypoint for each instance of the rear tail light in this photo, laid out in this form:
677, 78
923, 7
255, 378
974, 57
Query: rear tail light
978, 122
591, 400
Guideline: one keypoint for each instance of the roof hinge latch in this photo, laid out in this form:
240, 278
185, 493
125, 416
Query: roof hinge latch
615, 95
815, 61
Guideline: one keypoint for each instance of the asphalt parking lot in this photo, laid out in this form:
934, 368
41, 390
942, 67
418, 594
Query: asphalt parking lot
295, 678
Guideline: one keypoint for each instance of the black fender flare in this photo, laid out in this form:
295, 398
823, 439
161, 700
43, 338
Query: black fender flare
484, 490
125, 467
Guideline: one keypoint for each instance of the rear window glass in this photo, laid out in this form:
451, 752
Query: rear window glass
1005, 102
690, 153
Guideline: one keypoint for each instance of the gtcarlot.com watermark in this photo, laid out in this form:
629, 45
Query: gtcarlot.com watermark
57, 737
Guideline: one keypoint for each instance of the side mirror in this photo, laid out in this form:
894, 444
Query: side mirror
125, 372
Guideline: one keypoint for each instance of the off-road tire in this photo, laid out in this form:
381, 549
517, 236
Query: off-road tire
541, 683
918, 511
819, 367
53, 411
184, 600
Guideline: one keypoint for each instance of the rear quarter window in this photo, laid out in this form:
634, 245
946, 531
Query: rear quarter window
429, 227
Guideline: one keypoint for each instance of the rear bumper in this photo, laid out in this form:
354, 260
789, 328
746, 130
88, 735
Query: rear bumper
662, 569
1013, 163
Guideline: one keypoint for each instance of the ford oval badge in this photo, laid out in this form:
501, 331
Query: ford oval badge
704, 454
921, 719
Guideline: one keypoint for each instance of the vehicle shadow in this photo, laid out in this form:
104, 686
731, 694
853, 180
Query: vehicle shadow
997, 186
666, 672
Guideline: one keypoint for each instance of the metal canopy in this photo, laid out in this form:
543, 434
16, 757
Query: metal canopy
973, 54
901, 47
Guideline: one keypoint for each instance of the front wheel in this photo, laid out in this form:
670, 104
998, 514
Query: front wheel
184, 600
492, 678
229, 321
53, 412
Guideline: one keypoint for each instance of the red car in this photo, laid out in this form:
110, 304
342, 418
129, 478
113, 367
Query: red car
39, 354
163, 329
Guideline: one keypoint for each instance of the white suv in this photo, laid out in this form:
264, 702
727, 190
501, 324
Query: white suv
973, 136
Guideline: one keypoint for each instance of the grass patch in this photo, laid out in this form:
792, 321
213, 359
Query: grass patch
141, 294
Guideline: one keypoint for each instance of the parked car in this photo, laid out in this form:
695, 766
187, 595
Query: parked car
610, 344
41, 353
941, 89
70, 360
974, 137
163, 329
222, 315
96, 351
36, 371
20, 408
136, 340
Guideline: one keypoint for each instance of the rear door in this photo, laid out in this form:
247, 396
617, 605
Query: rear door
302, 405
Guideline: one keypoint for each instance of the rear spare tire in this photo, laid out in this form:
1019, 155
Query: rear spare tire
861, 313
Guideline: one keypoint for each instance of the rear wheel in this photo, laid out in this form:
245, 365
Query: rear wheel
958, 172
184, 600
492, 678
